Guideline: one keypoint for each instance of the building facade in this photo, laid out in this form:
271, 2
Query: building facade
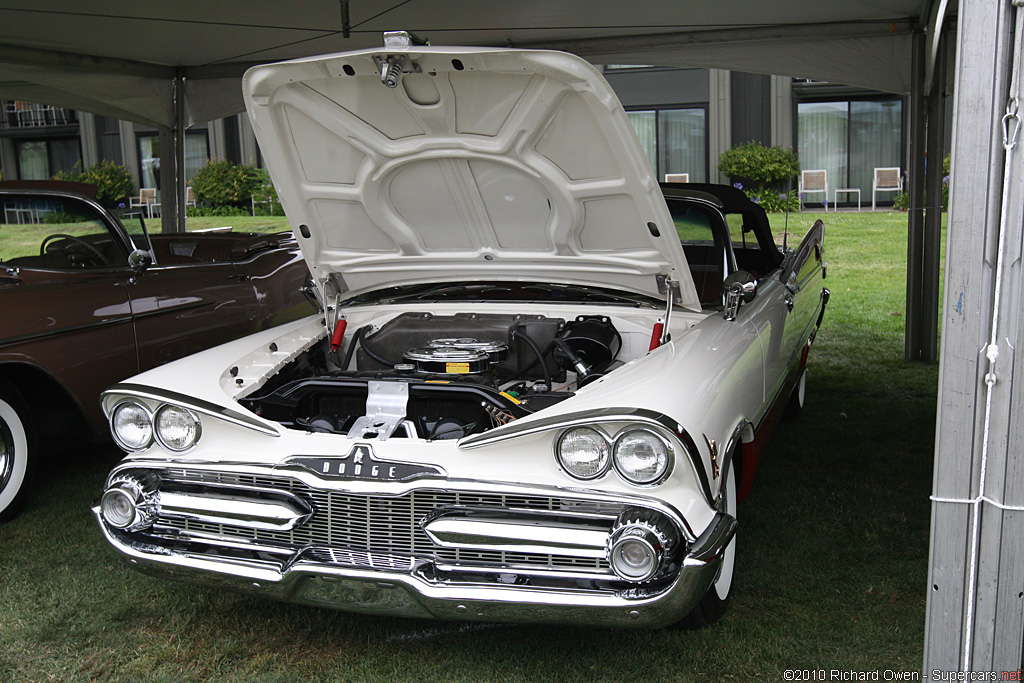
685, 119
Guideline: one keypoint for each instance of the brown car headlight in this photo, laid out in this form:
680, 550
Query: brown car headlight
583, 452
642, 456
177, 429
132, 426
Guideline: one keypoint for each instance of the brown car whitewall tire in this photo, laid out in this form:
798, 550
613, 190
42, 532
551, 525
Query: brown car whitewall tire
15, 451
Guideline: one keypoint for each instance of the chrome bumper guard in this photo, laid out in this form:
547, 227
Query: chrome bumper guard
414, 594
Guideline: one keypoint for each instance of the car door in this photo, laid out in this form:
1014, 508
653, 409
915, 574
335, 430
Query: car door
185, 308
63, 294
794, 311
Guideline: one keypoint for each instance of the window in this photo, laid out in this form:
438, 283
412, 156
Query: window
41, 159
849, 139
197, 151
57, 233
675, 140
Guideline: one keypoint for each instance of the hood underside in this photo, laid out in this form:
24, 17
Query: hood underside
479, 164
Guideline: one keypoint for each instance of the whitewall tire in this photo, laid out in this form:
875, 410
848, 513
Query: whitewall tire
716, 600
15, 453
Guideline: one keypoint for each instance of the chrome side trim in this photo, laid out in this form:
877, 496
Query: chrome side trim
196, 404
36, 336
519, 428
712, 543
520, 570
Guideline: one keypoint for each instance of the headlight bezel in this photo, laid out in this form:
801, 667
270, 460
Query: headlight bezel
612, 461
124, 403
665, 469
162, 439
602, 437
155, 436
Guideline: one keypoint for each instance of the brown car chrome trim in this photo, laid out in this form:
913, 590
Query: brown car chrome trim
64, 330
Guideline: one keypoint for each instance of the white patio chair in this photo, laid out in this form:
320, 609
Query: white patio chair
812, 182
887, 179
146, 200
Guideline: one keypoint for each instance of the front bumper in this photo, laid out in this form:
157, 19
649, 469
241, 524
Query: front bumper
433, 585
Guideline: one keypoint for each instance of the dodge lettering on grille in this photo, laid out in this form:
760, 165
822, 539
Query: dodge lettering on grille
359, 463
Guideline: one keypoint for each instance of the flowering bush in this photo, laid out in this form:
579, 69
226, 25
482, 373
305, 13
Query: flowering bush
773, 201
761, 168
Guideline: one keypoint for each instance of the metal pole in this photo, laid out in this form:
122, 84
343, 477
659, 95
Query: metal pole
915, 215
932, 234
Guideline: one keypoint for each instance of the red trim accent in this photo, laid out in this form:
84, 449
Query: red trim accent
748, 454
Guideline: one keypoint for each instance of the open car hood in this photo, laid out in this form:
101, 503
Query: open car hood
481, 164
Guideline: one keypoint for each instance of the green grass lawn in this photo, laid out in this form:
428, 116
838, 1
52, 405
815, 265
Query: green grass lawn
832, 559
236, 223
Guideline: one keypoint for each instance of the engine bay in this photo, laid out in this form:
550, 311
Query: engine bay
427, 376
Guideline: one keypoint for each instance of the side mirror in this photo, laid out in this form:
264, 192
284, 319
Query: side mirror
740, 287
140, 259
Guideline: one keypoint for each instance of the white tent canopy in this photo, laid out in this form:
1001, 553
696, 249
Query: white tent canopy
119, 58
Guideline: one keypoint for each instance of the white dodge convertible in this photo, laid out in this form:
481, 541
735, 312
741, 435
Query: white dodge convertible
538, 385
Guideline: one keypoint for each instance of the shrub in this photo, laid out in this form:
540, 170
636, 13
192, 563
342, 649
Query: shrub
759, 164
901, 202
265, 201
114, 183
225, 183
773, 201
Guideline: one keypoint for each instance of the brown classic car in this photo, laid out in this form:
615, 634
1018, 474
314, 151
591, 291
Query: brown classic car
87, 299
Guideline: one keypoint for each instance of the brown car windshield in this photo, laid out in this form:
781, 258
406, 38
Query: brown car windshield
53, 232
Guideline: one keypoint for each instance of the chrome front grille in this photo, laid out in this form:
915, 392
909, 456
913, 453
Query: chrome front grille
383, 532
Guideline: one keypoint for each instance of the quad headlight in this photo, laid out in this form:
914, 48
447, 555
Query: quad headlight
135, 427
583, 452
642, 456
177, 429
132, 426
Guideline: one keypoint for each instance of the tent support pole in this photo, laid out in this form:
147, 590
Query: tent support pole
172, 162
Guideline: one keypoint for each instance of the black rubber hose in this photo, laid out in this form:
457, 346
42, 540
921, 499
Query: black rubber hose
352, 347
540, 355
369, 352
530, 366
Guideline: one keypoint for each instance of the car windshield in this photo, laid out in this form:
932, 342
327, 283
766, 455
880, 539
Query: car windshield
55, 232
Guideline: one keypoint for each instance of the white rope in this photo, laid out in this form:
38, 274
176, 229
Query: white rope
978, 500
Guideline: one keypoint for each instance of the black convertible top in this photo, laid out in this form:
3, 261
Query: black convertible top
733, 201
